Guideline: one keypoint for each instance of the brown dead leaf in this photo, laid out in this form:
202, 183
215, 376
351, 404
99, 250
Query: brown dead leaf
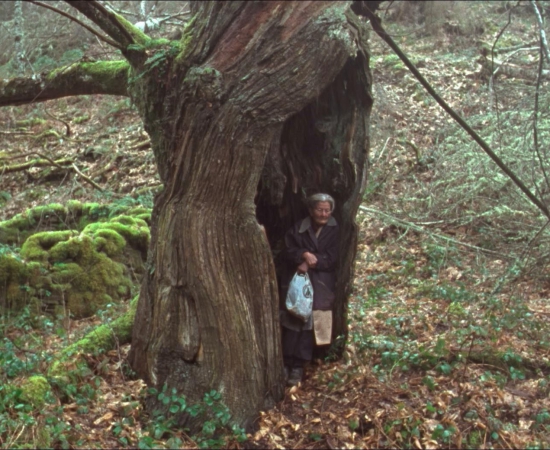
104, 418
343, 433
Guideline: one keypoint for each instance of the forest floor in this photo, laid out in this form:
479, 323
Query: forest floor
446, 349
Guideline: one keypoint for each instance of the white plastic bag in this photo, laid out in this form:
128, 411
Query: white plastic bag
299, 299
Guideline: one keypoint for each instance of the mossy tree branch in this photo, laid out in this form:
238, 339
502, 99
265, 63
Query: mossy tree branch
103, 338
115, 26
84, 78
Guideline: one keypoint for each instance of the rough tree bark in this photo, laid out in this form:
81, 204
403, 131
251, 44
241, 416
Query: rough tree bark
207, 317
258, 105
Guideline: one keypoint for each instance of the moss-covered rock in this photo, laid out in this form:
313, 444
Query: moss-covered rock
72, 216
134, 230
14, 275
79, 269
37, 246
84, 278
34, 390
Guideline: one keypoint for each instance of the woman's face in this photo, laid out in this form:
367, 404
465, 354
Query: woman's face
320, 213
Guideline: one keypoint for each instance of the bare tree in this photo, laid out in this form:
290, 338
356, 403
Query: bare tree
19, 36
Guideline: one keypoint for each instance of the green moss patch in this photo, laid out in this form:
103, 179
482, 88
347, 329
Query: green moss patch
14, 274
34, 390
77, 270
56, 217
101, 339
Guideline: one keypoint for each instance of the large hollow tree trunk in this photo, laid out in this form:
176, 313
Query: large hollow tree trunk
257, 84
323, 148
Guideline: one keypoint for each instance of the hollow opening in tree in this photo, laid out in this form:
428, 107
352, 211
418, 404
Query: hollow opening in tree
323, 148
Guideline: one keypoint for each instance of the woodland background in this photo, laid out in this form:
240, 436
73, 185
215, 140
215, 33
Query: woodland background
448, 343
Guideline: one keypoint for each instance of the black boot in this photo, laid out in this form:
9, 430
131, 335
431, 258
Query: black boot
295, 376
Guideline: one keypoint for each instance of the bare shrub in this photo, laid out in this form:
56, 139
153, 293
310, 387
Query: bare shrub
452, 17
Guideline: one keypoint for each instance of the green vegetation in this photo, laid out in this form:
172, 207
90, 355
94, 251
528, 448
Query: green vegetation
76, 270
34, 390
448, 322
36, 395
162, 430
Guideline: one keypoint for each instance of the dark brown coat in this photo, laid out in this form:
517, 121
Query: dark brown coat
299, 239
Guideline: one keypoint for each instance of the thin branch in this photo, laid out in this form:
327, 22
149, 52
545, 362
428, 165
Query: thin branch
74, 19
377, 27
88, 179
16, 133
535, 120
67, 126
492, 93
419, 229
106, 13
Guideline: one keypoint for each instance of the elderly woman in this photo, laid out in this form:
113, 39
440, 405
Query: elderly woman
312, 247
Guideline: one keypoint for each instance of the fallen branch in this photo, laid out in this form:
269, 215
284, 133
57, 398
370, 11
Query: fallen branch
45, 134
141, 145
113, 163
515, 47
67, 127
45, 161
15, 133
87, 179
512, 70
24, 155
49, 162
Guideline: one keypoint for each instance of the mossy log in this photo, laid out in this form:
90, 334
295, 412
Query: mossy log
38, 162
82, 78
101, 339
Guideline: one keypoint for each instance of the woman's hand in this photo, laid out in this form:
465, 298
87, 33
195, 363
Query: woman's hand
310, 259
302, 268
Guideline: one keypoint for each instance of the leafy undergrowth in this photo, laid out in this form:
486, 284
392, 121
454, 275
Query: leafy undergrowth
448, 342
432, 361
